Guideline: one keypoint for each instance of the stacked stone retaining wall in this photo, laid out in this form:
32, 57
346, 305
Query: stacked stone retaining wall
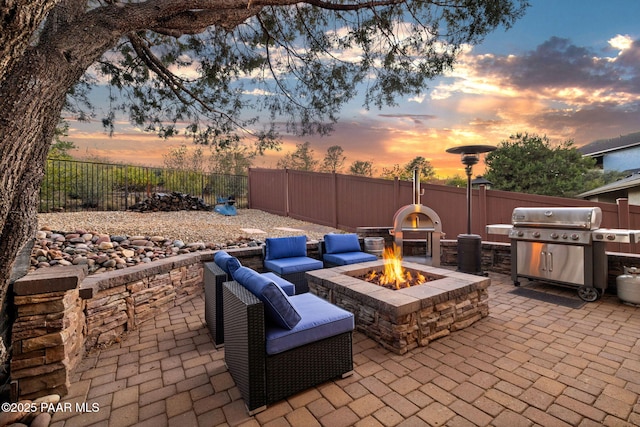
61, 313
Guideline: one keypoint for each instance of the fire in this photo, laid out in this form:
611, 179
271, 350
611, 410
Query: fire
393, 274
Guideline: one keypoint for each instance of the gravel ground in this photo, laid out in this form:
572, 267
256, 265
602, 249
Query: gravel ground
189, 226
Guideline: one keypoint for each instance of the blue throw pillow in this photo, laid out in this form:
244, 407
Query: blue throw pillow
285, 247
338, 243
233, 264
221, 258
278, 308
229, 264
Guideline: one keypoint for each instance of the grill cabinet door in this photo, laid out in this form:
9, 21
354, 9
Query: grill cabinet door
560, 263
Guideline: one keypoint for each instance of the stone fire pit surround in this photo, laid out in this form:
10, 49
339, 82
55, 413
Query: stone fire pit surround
403, 319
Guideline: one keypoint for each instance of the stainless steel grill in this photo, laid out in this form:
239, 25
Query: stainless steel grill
562, 245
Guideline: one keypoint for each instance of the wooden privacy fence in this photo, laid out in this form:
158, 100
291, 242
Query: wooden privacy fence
347, 202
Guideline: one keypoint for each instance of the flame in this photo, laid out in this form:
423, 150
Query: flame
393, 273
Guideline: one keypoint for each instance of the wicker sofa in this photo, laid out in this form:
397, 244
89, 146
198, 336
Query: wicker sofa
269, 362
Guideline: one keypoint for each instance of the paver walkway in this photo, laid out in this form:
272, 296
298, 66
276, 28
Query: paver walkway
529, 363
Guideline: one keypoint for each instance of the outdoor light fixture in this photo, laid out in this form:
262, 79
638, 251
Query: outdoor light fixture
470, 245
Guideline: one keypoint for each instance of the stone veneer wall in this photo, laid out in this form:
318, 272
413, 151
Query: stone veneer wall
401, 320
47, 332
61, 314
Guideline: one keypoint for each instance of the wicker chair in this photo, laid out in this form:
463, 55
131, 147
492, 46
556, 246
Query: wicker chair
214, 276
287, 257
267, 378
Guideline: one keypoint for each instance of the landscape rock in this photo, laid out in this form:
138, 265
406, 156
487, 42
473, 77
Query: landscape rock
159, 235
54, 248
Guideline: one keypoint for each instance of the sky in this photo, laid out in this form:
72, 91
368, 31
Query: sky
568, 69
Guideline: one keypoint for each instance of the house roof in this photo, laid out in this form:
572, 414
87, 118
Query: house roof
602, 146
622, 184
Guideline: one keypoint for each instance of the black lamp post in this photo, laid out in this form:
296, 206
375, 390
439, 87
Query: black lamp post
470, 245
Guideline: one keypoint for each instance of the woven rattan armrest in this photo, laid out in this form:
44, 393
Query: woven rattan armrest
214, 277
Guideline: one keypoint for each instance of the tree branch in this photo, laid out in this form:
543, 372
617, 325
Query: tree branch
176, 18
173, 82
195, 22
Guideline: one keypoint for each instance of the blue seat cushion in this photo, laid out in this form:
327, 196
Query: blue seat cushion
278, 309
229, 264
347, 258
292, 265
288, 287
337, 243
320, 319
285, 247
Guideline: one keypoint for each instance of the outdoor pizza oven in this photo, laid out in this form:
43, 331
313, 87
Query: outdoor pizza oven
563, 245
418, 222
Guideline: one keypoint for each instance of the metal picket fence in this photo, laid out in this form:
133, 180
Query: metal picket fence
72, 185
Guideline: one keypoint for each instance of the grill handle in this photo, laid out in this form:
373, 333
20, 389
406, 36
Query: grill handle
546, 261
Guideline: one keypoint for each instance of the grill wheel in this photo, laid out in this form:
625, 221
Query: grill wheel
588, 293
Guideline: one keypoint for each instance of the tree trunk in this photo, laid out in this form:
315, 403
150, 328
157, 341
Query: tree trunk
31, 99
32, 95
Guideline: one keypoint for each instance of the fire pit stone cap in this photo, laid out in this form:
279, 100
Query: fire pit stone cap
454, 285
324, 273
428, 294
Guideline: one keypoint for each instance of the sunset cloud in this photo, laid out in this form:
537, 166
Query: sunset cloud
557, 88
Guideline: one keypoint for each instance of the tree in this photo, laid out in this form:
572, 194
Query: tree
181, 158
531, 164
234, 159
362, 168
405, 173
597, 177
456, 181
301, 159
60, 147
334, 159
208, 64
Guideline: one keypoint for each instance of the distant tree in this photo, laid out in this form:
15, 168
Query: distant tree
334, 159
301, 159
597, 178
456, 181
233, 159
424, 167
60, 147
531, 164
612, 176
405, 172
362, 168
393, 172
182, 158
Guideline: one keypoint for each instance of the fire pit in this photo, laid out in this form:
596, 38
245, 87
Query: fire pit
402, 318
392, 274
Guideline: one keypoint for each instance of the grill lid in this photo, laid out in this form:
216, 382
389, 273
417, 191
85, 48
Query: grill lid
583, 218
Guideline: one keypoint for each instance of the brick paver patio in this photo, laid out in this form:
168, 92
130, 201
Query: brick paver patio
529, 363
